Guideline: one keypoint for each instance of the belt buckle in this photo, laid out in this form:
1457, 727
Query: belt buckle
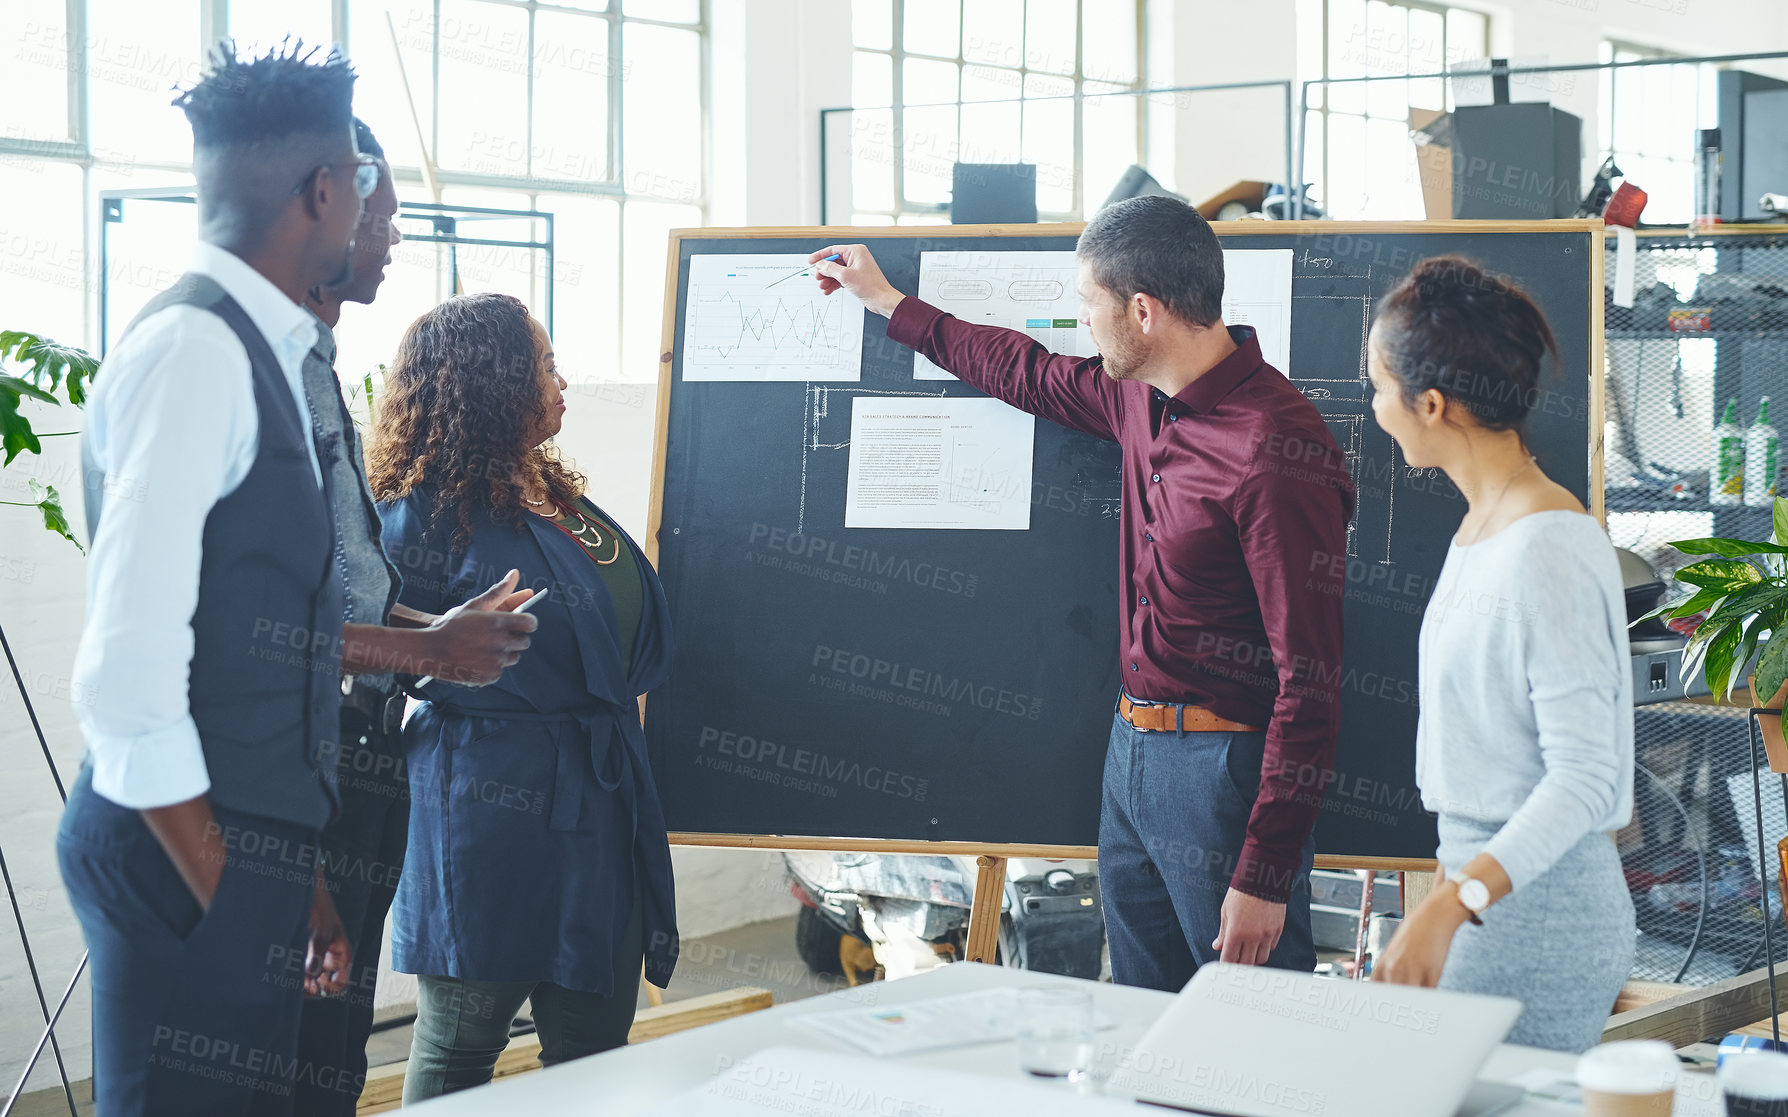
1137, 705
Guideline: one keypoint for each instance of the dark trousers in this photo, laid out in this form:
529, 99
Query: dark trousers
195, 1011
363, 855
1170, 832
462, 1026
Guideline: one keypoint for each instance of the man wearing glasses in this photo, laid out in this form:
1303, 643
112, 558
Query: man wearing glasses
210, 656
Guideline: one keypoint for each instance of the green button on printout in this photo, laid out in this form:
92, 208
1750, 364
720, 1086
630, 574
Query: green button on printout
1066, 323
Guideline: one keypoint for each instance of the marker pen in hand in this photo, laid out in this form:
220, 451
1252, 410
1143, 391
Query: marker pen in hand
805, 268
522, 608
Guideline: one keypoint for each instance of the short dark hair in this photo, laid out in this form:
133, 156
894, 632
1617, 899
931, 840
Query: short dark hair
266, 99
364, 141
1161, 247
1475, 337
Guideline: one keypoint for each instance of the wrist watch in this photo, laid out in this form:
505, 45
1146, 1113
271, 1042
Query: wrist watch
1474, 894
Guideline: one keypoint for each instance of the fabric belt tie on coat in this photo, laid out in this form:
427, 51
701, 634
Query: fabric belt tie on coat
593, 736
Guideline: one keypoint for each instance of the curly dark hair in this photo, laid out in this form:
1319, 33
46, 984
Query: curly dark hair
460, 399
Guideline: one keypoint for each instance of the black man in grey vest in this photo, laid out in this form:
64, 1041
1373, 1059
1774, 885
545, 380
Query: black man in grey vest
212, 643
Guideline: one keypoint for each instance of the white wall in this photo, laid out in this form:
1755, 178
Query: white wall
1225, 137
41, 595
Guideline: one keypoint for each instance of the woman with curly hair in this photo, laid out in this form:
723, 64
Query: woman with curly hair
538, 868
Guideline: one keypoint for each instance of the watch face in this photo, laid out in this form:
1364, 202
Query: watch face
1474, 894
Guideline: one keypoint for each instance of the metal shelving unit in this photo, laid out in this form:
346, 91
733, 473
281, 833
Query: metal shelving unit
1700, 883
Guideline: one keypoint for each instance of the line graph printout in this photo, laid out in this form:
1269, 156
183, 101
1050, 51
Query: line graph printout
762, 317
939, 462
1032, 292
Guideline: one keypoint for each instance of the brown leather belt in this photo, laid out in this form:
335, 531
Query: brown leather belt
1161, 718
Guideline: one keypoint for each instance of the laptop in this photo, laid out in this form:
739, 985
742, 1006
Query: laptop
1242, 1041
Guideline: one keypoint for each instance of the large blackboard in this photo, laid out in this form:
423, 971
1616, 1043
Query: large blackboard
959, 685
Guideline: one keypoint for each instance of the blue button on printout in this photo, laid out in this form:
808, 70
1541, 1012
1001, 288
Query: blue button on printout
1033, 323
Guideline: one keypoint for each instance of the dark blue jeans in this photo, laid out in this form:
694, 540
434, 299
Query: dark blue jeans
363, 853
1170, 832
195, 1011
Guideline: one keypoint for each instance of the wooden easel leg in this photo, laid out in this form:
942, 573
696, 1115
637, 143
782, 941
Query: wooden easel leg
654, 995
984, 915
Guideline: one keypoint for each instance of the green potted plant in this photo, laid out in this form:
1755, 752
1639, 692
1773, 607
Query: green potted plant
1740, 589
46, 367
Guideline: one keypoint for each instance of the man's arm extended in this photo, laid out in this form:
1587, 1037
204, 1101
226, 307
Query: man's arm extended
469, 645
1009, 366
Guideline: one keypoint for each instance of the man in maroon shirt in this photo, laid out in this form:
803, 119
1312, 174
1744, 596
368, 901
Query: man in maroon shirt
1235, 505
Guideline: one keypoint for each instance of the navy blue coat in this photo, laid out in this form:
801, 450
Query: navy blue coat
534, 820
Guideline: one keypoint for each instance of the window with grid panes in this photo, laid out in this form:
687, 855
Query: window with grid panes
1358, 154
1648, 121
938, 82
592, 110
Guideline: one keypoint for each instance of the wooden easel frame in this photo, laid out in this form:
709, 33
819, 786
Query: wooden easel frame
984, 915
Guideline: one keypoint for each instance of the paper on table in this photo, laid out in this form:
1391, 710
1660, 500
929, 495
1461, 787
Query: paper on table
1257, 292
820, 1084
1032, 292
939, 462
983, 1017
762, 317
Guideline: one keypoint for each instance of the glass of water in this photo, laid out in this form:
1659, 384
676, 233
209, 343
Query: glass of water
1055, 1032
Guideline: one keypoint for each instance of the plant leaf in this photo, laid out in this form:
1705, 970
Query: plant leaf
1745, 603
1730, 548
1684, 606
1695, 653
1721, 651
1754, 629
1727, 574
1779, 519
15, 430
54, 518
1772, 665
52, 364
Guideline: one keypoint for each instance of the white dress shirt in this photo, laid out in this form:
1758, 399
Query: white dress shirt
172, 424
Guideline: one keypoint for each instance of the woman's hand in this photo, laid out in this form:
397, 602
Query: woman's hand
1418, 952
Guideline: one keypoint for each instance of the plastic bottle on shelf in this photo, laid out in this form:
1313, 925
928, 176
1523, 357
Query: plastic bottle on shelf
1726, 480
1760, 459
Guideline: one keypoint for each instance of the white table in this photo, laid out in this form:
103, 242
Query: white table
633, 1079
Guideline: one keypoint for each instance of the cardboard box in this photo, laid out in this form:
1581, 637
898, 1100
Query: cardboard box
1434, 160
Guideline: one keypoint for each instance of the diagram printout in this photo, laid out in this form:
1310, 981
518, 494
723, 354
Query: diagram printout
939, 462
1032, 292
1257, 292
762, 317
1036, 293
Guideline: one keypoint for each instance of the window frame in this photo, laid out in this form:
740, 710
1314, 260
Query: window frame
1608, 93
1321, 179
905, 209
78, 149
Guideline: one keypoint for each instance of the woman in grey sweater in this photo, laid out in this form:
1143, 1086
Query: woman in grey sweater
1525, 747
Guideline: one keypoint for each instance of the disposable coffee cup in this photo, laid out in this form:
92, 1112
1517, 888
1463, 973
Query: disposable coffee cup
1632, 1078
1755, 1084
